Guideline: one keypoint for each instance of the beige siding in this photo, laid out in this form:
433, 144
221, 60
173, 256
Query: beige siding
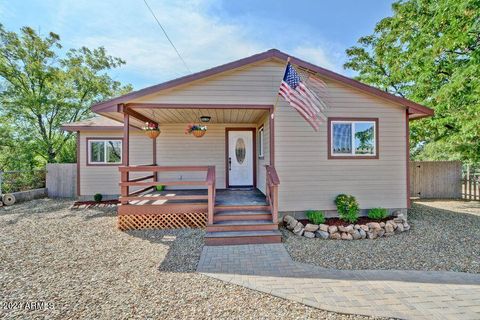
249, 85
176, 148
311, 181
261, 178
105, 179
308, 179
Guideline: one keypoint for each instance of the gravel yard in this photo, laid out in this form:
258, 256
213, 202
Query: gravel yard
444, 235
81, 263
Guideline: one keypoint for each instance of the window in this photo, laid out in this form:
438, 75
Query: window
260, 142
353, 138
104, 151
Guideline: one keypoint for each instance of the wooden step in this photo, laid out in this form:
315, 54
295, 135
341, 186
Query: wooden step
242, 237
242, 215
242, 225
241, 208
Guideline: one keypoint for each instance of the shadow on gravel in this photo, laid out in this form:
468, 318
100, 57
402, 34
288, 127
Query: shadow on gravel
184, 247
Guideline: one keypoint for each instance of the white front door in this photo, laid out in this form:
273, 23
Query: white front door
240, 158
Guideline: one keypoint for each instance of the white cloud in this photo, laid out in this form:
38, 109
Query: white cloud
205, 39
317, 55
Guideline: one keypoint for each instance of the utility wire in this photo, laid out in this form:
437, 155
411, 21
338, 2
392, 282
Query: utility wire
166, 35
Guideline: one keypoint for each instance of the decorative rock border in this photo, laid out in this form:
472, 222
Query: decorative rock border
370, 230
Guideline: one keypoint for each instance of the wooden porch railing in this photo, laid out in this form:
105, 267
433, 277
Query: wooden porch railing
272, 191
126, 183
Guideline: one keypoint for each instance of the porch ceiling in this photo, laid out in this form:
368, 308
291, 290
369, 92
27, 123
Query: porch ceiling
175, 115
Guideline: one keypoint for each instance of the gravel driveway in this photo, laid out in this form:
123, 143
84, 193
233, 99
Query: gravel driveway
445, 235
85, 267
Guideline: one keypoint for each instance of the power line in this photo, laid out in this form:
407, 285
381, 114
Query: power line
166, 35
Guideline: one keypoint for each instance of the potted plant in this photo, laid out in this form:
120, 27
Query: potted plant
151, 129
197, 130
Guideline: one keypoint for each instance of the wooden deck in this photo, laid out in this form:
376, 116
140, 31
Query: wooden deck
230, 197
230, 216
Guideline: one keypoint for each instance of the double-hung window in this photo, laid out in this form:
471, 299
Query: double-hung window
104, 151
353, 138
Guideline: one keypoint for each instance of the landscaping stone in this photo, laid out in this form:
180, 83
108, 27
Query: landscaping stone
323, 227
311, 227
356, 235
335, 236
298, 230
288, 218
332, 229
389, 228
371, 230
308, 234
363, 234
321, 234
399, 228
374, 225
292, 224
371, 235
439, 235
346, 236
380, 232
349, 229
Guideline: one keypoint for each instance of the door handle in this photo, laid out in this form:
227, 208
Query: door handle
229, 164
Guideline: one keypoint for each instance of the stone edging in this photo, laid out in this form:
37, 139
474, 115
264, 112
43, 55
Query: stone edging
370, 230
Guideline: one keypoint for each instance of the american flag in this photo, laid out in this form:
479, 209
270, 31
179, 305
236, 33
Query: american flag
302, 98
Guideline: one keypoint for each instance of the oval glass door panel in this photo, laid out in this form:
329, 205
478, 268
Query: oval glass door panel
240, 150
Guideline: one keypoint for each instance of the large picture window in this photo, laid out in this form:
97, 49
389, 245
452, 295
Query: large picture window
353, 138
108, 151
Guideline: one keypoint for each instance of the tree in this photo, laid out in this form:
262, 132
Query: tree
429, 52
43, 87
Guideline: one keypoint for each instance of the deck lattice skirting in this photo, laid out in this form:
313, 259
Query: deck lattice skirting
139, 211
162, 221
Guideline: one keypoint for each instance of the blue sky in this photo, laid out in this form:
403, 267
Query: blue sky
206, 32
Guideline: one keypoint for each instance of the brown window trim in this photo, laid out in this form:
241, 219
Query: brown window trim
261, 157
88, 164
354, 157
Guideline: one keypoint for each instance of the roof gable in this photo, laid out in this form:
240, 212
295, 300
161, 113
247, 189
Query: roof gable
416, 110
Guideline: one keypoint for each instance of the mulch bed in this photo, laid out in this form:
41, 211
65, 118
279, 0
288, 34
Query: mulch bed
338, 222
94, 204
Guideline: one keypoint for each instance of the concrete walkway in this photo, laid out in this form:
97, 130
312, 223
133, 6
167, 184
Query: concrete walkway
400, 294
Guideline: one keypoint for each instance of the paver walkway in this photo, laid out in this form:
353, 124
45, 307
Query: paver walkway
401, 294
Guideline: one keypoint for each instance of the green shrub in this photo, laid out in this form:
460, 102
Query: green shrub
98, 197
160, 188
347, 207
377, 213
315, 216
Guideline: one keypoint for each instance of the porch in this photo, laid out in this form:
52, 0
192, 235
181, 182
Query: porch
230, 216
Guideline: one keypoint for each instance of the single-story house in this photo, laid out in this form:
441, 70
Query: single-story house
258, 158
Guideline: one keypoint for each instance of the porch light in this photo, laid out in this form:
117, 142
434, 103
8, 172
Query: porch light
205, 118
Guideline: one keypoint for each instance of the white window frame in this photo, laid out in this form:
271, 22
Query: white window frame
105, 142
353, 154
261, 142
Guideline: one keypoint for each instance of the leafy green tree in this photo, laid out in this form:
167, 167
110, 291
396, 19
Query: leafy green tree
43, 87
429, 52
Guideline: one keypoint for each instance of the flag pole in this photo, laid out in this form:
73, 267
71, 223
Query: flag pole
278, 95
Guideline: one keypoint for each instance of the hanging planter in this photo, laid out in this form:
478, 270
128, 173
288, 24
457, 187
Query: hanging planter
197, 130
151, 130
